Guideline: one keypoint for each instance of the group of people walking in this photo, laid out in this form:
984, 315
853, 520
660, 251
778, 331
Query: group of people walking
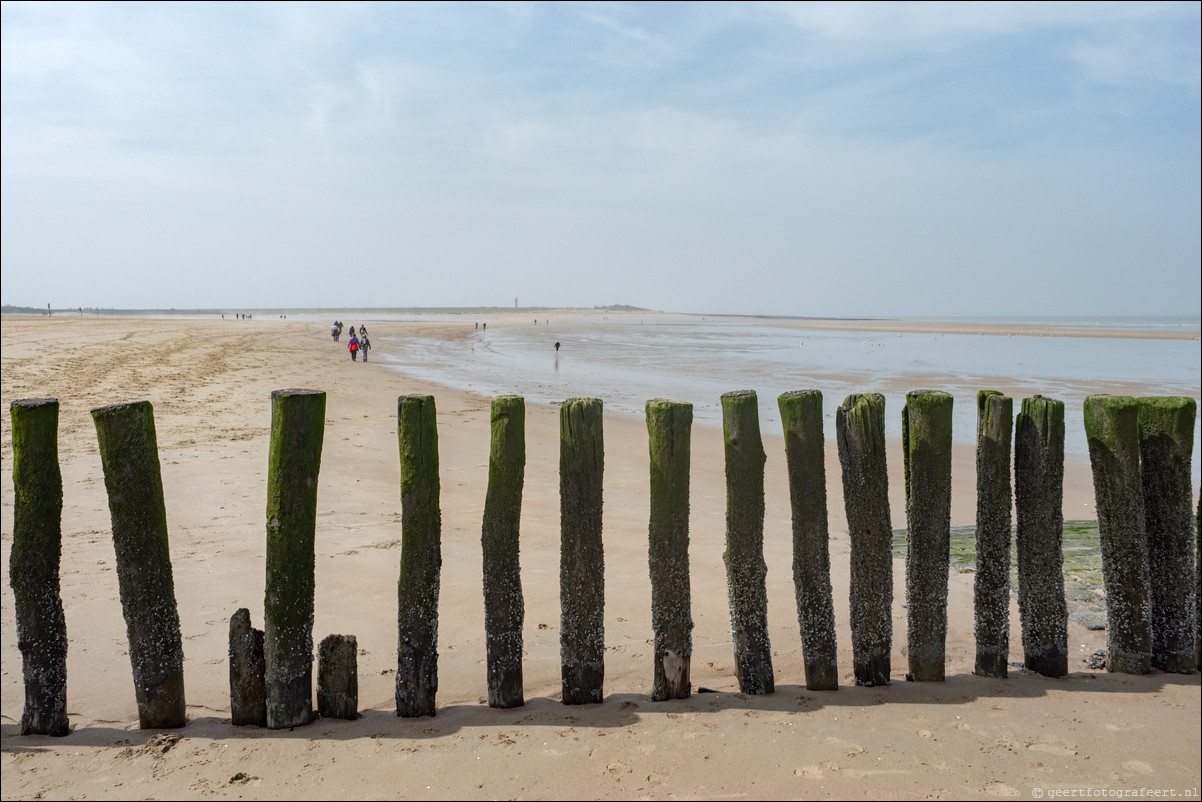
358, 343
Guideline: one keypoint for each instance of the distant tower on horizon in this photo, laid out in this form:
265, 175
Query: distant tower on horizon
515, 302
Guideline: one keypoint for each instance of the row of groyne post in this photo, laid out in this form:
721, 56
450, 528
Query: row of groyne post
1139, 450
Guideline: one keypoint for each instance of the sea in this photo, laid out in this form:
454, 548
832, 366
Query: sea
627, 359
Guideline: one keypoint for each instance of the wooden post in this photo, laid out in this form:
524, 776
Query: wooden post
293, 465
801, 417
130, 457
504, 606
1039, 501
746, 571
1166, 443
991, 583
581, 554
927, 448
860, 431
33, 569
248, 693
337, 677
421, 557
669, 424
1112, 429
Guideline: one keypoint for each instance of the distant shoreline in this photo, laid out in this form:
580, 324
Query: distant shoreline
1176, 327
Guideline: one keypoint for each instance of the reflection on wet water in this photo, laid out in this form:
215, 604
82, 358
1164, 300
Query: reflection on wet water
625, 363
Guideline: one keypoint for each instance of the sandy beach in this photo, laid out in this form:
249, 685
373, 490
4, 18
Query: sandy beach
210, 382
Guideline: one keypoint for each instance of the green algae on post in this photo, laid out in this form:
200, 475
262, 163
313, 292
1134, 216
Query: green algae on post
927, 452
860, 432
801, 418
991, 583
669, 425
33, 568
1112, 430
421, 557
581, 552
504, 605
1166, 443
1039, 501
746, 571
293, 465
129, 454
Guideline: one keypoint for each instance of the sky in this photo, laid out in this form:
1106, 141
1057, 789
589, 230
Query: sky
810, 159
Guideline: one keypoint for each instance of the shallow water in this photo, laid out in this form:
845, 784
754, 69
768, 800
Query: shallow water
625, 362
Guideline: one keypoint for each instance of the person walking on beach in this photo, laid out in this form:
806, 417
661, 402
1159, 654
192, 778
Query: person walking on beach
362, 330
353, 347
334, 332
557, 346
364, 345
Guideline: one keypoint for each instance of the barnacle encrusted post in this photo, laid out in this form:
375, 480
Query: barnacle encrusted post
1039, 501
129, 454
33, 568
1112, 429
338, 677
991, 583
504, 605
248, 693
669, 427
421, 557
581, 554
746, 571
927, 449
1166, 443
801, 417
293, 463
860, 431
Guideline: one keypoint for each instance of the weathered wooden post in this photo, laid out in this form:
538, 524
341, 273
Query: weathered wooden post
746, 571
1039, 501
1112, 429
504, 605
581, 554
298, 420
991, 584
801, 417
248, 692
1166, 443
860, 431
129, 455
669, 426
927, 449
33, 568
337, 677
421, 557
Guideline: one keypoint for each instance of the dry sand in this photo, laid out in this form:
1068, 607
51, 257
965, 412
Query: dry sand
210, 382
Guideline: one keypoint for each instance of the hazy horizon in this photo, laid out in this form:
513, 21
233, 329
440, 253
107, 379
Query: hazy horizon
798, 159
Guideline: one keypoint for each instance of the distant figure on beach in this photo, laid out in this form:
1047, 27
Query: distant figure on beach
362, 330
477, 326
486, 327
334, 332
353, 347
364, 345
557, 346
